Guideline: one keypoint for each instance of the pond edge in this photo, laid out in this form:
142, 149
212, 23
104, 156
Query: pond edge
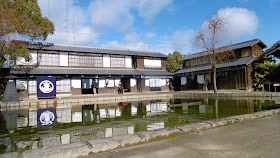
106, 144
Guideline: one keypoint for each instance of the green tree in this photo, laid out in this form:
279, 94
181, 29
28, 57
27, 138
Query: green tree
174, 61
263, 69
21, 18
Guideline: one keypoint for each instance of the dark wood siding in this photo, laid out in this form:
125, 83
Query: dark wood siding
249, 70
140, 63
163, 64
257, 50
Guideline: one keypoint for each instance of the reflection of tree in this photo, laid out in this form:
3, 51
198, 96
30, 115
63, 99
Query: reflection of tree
217, 107
258, 105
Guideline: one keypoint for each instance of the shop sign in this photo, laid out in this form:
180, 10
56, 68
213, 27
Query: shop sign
46, 87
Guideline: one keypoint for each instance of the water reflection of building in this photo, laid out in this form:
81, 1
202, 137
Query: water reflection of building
155, 108
154, 126
63, 115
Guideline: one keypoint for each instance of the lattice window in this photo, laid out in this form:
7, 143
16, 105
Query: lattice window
32, 86
117, 61
50, 59
152, 63
85, 60
63, 85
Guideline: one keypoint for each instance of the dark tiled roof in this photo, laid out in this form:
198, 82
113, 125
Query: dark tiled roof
274, 48
240, 61
89, 71
85, 49
227, 48
79, 71
146, 72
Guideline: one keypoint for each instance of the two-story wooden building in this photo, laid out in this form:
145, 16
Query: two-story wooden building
77, 67
231, 74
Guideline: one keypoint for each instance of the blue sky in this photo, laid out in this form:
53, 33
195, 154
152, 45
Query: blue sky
158, 25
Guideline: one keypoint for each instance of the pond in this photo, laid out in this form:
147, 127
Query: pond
50, 125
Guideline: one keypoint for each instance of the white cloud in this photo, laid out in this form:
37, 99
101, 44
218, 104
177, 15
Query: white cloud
112, 14
70, 26
150, 35
130, 41
118, 14
183, 40
148, 9
239, 22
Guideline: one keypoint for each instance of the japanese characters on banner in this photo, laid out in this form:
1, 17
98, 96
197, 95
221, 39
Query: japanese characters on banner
46, 117
46, 87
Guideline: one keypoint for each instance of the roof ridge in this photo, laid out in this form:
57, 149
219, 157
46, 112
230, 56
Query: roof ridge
79, 46
230, 45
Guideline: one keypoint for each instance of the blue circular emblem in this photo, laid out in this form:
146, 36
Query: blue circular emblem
46, 86
47, 118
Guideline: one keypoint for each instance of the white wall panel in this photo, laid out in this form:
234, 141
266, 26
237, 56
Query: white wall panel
76, 83
183, 80
200, 79
147, 82
132, 82
163, 82
153, 63
102, 83
106, 61
128, 62
117, 80
111, 83
63, 57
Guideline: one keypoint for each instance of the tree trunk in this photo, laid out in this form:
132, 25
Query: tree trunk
214, 79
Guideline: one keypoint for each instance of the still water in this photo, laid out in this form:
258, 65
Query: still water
22, 128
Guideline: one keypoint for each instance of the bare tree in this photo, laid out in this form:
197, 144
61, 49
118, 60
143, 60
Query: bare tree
207, 39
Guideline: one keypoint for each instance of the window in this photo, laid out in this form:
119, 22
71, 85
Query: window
32, 86
117, 61
63, 85
152, 63
85, 60
48, 59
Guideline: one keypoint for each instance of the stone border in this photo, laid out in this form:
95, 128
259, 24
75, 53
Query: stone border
105, 144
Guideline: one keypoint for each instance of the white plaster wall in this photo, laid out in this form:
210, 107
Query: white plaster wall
102, 83
163, 82
76, 83
200, 79
183, 80
32, 61
128, 62
63, 56
132, 82
111, 83
117, 80
147, 82
152, 62
106, 61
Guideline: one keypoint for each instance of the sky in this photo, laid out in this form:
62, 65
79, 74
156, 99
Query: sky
158, 25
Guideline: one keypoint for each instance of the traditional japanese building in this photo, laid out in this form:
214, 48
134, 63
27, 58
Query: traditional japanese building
273, 50
76, 68
234, 73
